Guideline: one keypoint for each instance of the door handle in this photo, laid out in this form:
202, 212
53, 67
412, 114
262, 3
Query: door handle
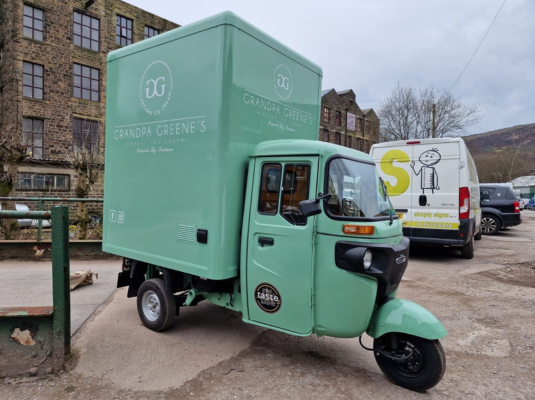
423, 200
265, 240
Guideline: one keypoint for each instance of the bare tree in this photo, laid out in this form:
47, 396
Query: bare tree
407, 113
88, 164
13, 152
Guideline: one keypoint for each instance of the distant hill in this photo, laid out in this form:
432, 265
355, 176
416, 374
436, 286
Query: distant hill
503, 139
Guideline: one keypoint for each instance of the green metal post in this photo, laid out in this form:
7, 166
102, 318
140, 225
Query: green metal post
60, 285
40, 223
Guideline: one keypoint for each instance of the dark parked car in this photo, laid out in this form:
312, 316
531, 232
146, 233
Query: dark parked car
499, 208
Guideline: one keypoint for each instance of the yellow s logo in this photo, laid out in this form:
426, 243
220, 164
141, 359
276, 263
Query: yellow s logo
402, 176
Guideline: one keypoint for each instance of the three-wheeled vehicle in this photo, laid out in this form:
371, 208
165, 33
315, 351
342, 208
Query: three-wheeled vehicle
217, 189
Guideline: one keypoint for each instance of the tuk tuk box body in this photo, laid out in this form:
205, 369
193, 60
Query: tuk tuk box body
185, 110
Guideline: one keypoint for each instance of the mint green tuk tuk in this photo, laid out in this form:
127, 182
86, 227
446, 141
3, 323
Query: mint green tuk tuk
217, 189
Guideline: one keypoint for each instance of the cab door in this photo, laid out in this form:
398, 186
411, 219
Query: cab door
280, 243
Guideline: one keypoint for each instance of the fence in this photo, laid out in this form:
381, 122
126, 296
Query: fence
41, 200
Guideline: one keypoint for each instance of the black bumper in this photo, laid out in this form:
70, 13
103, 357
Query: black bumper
388, 262
451, 237
511, 219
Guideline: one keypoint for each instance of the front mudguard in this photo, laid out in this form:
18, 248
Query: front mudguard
404, 316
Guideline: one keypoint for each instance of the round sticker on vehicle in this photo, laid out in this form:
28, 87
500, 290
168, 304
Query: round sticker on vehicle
268, 298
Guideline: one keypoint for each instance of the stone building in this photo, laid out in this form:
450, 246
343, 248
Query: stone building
343, 122
53, 81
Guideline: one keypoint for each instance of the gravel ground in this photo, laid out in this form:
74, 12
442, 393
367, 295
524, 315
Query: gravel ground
487, 305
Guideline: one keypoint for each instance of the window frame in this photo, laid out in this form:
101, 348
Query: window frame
33, 19
338, 138
94, 147
338, 118
118, 36
81, 34
283, 192
33, 76
326, 114
32, 175
325, 132
81, 86
148, 29
32, 132
270, 164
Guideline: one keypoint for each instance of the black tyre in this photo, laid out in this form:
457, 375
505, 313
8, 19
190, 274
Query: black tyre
490, 225
421, 371
478, 235
467, 251
156, 305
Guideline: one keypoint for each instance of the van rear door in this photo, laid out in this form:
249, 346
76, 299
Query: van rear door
435, 173
393, 163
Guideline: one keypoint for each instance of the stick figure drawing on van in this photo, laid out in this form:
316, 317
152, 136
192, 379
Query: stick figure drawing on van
429, 178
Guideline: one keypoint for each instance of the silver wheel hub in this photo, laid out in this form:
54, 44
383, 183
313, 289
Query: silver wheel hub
150, 304
488, 224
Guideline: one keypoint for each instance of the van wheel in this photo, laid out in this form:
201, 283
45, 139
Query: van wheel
467, 251
478, 235
490, 225
156, 305
421, 371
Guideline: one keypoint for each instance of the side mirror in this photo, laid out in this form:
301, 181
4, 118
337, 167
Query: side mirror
310, 207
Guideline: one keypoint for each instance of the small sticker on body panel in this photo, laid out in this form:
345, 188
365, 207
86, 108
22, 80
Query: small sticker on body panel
268, 298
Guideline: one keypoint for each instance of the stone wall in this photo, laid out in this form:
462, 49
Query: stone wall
57, 53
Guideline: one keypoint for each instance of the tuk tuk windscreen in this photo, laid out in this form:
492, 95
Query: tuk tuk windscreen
357, 190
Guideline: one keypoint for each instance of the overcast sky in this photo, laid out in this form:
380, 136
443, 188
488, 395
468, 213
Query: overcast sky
369, 46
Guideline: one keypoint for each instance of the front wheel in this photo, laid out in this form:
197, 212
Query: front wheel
419, 372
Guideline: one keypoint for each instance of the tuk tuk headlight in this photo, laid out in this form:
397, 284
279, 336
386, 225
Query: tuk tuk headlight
367, 260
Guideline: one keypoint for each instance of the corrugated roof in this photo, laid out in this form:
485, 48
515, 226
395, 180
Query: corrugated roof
528, 180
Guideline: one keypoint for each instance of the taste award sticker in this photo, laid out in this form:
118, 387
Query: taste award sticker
268, 298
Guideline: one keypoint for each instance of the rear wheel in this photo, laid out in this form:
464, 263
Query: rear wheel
421, 371
156, 305
490, 225
467, 251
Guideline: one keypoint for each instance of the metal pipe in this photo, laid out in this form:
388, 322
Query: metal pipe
40, 223
73, 200
25, 214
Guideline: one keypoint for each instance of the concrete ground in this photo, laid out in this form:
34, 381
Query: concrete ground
487, 304
29, 284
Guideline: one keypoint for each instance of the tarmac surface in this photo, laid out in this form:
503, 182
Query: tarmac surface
29, 284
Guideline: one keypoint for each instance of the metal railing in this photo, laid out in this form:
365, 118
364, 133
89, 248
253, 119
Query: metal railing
41, 200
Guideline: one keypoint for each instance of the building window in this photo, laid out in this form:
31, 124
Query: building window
325, 135
150, 32
349, 144
32, 137
123, 31
338, 118
86, 31
33, 24
85, 135
326, 114
359, 144
359, 125
337, 138
32, 80
367, 127
48, 182
86, 83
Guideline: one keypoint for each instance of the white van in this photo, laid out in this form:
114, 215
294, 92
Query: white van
434, 189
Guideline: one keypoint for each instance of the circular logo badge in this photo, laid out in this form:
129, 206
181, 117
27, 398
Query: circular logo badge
283, 82
156, 87
268, 298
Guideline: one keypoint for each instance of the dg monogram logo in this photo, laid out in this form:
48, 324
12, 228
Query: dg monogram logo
283, 82
154, 88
